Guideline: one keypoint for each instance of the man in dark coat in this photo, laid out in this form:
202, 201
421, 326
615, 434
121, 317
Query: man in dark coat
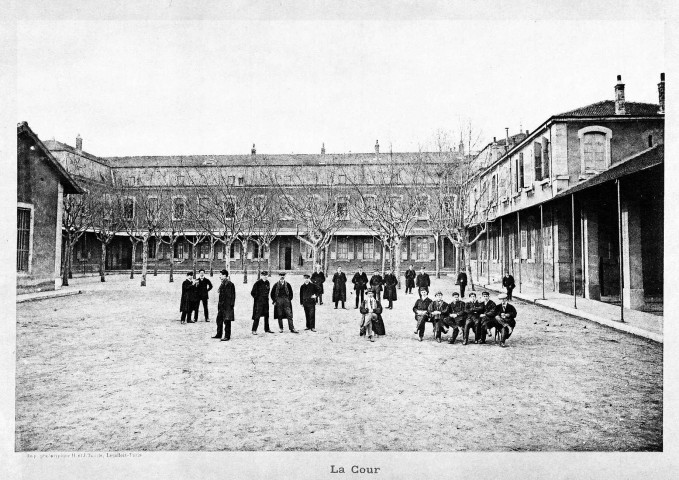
260, 307
390, 284
371, 309
505, 319
473, 310
227, 299
508, 283
486, 317
410, 279
281, 294
204, 286
462, 282
456, 317
318, 279
438, 311
307, 298
422, 280
360, 282
421, 311
189, 301
376, 282
339, 289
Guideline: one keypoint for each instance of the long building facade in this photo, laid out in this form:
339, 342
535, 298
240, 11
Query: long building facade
576, 206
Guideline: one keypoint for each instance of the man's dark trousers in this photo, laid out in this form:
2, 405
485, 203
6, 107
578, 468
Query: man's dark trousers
310, 314
223, 326
195, 314
194, 307
462, 287
359, 293
255, 324
509, 293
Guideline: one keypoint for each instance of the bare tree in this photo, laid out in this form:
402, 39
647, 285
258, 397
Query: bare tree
107, 215
76, 219
266, 226
133, 225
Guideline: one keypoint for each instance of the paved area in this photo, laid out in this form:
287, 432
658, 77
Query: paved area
113, 369
643, 324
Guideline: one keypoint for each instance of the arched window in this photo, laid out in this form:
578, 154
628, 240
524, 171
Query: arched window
595, 148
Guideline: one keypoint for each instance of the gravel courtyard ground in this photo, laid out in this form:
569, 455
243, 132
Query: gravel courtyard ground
113, 369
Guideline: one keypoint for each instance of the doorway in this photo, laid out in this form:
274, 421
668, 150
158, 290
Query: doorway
287, 255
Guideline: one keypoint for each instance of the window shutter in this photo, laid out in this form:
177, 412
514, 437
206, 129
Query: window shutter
250, 250
236, 251
350, 248
377, 249
545, 160
413, 248
432, 249
404, 250
537, 155
524, 244
359, 248
333, 249
266, 252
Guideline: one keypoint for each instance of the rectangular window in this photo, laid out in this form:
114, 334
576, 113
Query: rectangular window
128, 208
524, 244
151, 248
493, 189
343, 209
547, 242
368, 249
178, 208
23, 239
422, 249
537, 156
231, 180
203, 205
342, 249
594, 151
179, 251
545, 159
520, 173
152, 207
370, 202
342, 179
180, 179
241, 181
421, 206
229, 209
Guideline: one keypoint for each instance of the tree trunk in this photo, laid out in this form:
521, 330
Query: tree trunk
384, 257
397, 262
468, 267
194, 259
437, 257
102, 264
326, 257
171, 245
70, 262
144, 259
243, 255
155, 266
212, 255
134, 256
260, 250
268, 258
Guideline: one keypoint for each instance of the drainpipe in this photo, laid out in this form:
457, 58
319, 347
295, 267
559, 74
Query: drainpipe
542, 249
575, 297
487, 253
622, 306
518, 242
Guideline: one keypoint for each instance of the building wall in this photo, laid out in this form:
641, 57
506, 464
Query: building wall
38, 186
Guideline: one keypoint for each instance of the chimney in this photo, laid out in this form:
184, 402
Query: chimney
620, 97
661, 93
527, 132
494, 139
254, 150
506, 139
377, 147
323, 149
79, 143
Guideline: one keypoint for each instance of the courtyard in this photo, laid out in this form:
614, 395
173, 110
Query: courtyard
113, 369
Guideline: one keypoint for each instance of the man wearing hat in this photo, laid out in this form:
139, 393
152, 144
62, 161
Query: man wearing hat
505, 319
281, 294
508, 283
227, 299
307, 298
189, 301
318, 279
486, 317
376, 282
390, 285
438, 310
410, 279
203, 286
260, 307
473, 311
360, 281
421, 311
339, 289
461, 281
456, 316
372, 316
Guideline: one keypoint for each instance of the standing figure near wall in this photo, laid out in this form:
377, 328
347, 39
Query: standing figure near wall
360, 282
390, 284
318, 279
508, 283
422, 280
376, 282
461, 281
281, 295
260, 306
339, 289
410, 279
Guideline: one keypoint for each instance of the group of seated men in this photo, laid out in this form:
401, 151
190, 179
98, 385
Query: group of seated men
480, 317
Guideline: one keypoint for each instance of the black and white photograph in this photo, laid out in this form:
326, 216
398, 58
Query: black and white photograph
339, 240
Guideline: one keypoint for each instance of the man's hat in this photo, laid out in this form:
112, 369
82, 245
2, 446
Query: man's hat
439, 293
282, 274
456, 294
264, 273
225, 272
372, 292
485, 294
189, 274
423, 289
502, 296
307, 276
471, 294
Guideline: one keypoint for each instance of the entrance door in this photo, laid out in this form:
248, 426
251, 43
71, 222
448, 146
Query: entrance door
288, 258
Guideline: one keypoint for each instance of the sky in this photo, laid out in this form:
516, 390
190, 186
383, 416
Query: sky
132, 87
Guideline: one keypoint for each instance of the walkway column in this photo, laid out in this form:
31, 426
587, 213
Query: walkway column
622, 305
575, 297
517, 244
542, 250
633, 280
590, 249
